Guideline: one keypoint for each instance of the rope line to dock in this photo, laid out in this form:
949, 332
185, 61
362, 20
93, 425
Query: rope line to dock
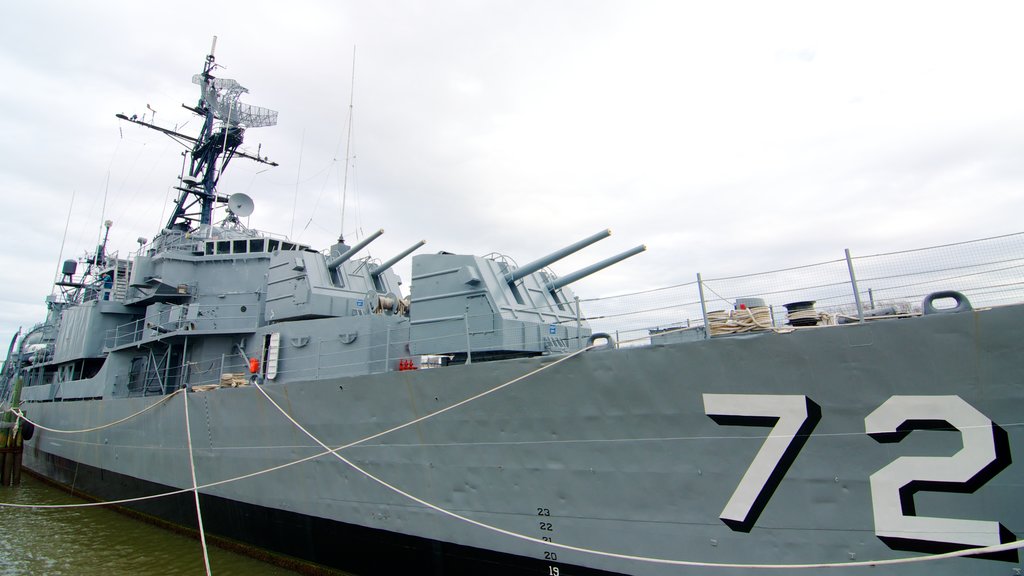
690, 563
21, 415
286, 464
195, 489
1018, 544
666, 561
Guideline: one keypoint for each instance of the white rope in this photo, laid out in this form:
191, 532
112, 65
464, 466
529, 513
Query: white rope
810, 314
293, 462
742, 320
334, 451
690, 563
753, 318
195, 489
447, 408
21, 415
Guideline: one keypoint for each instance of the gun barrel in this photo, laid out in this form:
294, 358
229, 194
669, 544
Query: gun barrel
570, 278
333, 264
555, 256
378, 270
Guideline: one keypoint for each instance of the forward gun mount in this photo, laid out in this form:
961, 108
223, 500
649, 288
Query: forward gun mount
555, 256
486, 305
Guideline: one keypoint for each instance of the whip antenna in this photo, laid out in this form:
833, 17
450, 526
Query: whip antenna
348, 146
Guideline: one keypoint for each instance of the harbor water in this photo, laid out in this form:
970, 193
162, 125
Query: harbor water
97, 541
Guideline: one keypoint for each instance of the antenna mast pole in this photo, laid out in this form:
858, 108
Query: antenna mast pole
224, 122
348, 145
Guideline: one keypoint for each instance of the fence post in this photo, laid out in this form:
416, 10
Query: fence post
183, 378
469, 355
856, 292
579, 341
703, 307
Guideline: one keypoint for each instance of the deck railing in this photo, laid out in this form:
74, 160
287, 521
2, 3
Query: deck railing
989, 272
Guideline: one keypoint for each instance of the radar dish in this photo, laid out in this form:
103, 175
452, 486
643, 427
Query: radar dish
240, 204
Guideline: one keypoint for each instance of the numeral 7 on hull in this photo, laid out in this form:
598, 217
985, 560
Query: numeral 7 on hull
792, 418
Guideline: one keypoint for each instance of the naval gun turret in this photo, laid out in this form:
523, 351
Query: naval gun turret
555, 256
342, 308
347, 255
485, 308
305, 284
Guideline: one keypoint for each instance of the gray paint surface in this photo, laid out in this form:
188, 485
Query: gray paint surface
615, 444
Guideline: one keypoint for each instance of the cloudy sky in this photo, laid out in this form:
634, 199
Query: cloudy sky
727, 136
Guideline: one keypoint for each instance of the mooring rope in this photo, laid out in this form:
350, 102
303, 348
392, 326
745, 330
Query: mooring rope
1018, 544
689, 563
741, 320
293, 462
195, 488
21, 415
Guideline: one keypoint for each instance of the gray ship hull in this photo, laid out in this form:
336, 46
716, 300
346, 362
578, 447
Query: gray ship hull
869, 442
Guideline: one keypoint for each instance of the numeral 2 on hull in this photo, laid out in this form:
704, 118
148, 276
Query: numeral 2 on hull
986, 452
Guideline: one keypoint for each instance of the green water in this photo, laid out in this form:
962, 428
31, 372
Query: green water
87, 541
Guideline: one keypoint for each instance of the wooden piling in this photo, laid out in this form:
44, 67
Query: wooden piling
18, 449
4, 434
10, 442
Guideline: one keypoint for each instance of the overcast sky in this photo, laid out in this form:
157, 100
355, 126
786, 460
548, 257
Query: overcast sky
727, 136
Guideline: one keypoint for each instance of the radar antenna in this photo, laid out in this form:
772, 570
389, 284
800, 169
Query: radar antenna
221, 95
224, 122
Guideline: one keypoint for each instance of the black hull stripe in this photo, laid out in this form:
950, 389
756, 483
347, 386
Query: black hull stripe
295, 541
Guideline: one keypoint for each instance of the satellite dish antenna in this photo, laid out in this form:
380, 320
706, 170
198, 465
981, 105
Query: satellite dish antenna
240, 204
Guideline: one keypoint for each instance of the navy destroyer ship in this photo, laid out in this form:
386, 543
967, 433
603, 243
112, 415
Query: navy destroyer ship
295, 400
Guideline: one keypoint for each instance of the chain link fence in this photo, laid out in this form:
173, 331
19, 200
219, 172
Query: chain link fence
989, 272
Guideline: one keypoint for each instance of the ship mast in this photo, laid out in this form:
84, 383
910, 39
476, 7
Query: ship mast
224, 122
